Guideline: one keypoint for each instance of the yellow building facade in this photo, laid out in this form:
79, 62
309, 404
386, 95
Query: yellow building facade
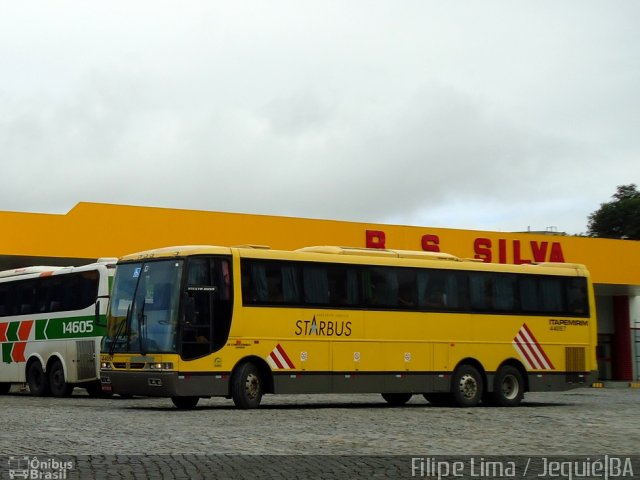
90, 231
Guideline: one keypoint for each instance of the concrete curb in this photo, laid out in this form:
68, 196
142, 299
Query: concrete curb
609, 384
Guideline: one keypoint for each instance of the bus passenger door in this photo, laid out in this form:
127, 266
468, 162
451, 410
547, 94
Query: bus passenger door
207, 306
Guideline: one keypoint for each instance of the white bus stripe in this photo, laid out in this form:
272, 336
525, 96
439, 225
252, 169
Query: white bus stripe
537, 348
528, 348
516, 345
281, 359
272, 363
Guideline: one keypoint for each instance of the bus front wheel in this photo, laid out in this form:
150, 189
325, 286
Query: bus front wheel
397, 399
37, 380
466, 386
247, 386
4, 388
59, 386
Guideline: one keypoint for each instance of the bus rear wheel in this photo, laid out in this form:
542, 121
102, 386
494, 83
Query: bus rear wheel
185, 403
57, 382
4, 388
508, 387
397, 399
37, 380
247, 386
466, 386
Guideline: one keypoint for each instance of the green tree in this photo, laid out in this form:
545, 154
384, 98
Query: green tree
619, 218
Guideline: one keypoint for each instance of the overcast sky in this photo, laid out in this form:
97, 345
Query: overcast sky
491, 115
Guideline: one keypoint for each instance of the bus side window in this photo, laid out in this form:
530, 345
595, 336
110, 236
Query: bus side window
4, 300
431, 289
316, 284
505, 293
383, 289
26, 297
406, 288
481, 291
577, 296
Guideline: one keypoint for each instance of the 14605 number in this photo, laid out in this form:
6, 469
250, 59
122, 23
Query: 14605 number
78, 326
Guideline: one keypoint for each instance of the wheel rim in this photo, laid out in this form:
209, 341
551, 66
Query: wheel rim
468, 386
252, 386
510, 387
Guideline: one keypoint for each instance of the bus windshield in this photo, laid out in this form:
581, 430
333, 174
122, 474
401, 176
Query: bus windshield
143, 314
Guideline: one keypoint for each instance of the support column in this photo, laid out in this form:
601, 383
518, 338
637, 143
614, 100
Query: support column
622, 367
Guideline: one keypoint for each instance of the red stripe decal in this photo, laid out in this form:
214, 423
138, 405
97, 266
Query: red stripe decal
24, 329
540, 349
535, 351
275, 358
523, 351
284, 355
3, 332
18, 352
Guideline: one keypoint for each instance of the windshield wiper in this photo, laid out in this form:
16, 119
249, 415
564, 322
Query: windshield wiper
114, 342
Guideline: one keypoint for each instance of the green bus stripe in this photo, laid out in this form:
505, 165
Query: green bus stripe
40, 329
6, 352
82, 327
12, 331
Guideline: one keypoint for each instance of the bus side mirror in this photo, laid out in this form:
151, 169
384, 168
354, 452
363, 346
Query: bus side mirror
97, 312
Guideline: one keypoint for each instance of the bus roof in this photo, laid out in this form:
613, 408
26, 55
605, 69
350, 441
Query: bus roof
45, 270
376, 256
177, 251
29, 270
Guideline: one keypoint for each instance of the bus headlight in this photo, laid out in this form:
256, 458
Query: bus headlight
105, 366
161, 366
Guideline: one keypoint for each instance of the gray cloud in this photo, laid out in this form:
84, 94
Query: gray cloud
491, 116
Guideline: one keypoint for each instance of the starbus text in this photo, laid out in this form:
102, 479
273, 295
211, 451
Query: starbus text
328, 328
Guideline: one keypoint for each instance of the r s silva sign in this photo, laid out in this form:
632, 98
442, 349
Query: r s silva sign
490, 251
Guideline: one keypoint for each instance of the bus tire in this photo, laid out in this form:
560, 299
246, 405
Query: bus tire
508, 387
247, 386
37, 380
397, 399
185, 403
466, 386
4, 388
57, 382
438, 399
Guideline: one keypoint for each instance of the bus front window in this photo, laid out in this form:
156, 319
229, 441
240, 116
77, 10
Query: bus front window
144, 307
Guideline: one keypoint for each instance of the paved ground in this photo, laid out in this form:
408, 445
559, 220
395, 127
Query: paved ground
148, 438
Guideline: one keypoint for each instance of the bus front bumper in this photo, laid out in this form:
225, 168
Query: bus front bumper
164, 384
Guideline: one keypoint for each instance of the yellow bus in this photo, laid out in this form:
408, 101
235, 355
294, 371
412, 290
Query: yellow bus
192, 322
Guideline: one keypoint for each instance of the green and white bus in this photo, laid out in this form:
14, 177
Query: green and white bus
52, 320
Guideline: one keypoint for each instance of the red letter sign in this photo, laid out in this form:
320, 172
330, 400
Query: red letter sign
376, 239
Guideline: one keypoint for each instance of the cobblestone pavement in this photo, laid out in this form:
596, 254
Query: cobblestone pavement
148, 438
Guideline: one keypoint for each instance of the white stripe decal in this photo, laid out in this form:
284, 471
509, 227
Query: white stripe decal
530, 351
516, 345
280, 358
272, 363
